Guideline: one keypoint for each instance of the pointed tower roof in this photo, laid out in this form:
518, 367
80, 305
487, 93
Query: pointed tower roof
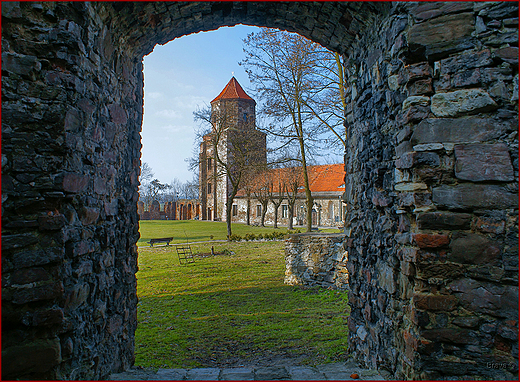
233, 90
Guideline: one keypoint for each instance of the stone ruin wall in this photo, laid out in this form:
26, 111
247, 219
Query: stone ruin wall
432, 183
432, 221
71, 117
316, 260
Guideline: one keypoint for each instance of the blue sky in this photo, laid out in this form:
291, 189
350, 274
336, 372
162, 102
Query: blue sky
179, 76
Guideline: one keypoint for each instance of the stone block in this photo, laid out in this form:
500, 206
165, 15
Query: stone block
444, 220
51, 222
508, 54
416, 101
473, 249
36, 357
429, 10
452, 335
488, 298
413, 159
75, 183
435, 302
203, 374
420, 87
38, 293
30, 275
442, 35
37, 257
170, 374
403, 148
474, 196
425, 240
450, 130
413, 113
460, 102
117, 113
410, 187
271, 373
52, 316
386, 277
482, 162
470, 322
89, 215
465, 61
19, 63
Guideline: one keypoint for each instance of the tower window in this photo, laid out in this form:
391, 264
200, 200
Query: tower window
209, 188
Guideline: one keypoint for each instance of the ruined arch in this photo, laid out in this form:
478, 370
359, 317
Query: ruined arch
71, 116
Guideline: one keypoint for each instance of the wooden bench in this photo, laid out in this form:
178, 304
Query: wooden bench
161, 240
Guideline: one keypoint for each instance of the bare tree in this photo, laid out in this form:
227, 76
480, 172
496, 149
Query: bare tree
276, 191
293, 180
145, 177
290, 73
261, 192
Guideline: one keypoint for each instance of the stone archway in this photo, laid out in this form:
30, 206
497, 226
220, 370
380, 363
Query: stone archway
431, 171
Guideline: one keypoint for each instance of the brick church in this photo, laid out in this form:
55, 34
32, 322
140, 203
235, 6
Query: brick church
233, 117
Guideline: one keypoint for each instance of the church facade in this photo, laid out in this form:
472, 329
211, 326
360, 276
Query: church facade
234, 142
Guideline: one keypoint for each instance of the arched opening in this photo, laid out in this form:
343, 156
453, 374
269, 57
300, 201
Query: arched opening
418, 187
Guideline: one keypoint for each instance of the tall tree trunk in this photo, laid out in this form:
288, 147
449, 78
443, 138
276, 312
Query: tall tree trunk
291, 214
248, 212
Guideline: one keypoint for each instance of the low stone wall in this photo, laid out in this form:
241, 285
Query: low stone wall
316, 259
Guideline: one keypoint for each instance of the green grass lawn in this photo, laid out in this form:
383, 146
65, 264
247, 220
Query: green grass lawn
232, 309
195, 230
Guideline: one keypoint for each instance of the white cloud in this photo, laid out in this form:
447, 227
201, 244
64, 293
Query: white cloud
153, 95
185, 129
169, 113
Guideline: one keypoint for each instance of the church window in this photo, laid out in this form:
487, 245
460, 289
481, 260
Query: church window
285, 211
234, 210
209, 188
245, 117
258, 210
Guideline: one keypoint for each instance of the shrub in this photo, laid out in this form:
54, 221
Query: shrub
249, 236
235, 237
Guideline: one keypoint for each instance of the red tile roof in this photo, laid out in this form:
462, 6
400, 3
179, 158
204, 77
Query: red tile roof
322, 178
233, 90
327, 177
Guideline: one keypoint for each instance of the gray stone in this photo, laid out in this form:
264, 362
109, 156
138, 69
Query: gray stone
416, 101
273, 373
442, 130
237, 374
444, 220
203, 374
171, 374
303, 373
473, 249
482, 162
474, 196
461, 102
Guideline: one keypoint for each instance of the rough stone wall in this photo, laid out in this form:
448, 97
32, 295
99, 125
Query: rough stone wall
71, 116
432, 182
316, 260
421, 306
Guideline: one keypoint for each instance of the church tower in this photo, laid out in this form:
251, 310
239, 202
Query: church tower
233, 116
